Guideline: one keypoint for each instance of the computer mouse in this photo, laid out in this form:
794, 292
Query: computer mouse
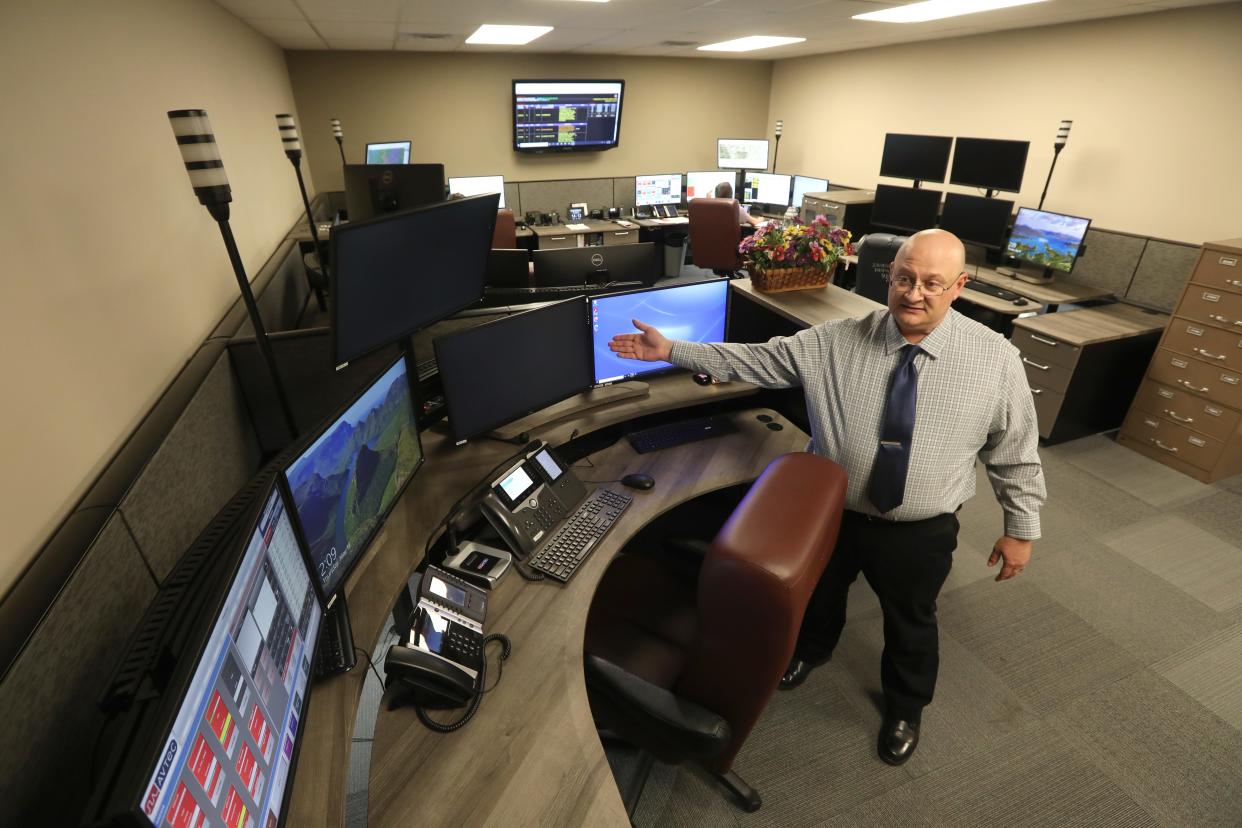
638, 481
1020, 302
703, 379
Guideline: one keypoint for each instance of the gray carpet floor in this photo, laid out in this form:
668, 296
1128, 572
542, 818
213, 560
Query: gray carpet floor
1101, 687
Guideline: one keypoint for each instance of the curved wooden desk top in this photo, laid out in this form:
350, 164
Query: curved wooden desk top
531, 755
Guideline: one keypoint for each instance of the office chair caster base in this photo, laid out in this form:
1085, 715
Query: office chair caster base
746, 797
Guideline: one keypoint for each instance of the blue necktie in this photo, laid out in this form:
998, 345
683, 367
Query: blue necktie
892, 460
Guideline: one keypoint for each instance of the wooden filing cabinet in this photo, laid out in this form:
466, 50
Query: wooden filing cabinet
1084, 366
1188, 412
850, 209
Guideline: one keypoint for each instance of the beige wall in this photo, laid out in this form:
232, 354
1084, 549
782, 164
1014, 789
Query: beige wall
113, 274
456, 109
1154, 100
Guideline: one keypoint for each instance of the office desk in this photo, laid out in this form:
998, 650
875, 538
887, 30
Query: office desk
1057, 293
532, 757
560, 235
806, 308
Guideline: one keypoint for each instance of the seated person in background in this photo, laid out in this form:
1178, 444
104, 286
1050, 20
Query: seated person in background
906, 399
725, 190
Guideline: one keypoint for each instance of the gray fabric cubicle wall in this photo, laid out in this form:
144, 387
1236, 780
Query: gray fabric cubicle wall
1149, 272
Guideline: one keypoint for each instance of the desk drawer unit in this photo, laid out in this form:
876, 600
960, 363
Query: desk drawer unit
1174, 440
1046, 374
621, 237
1046, 349
1047, 407
558, 242
1188, 412
1205, 343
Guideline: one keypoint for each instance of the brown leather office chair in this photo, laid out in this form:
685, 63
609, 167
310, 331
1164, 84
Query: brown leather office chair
715, 234
683, 667
505, 235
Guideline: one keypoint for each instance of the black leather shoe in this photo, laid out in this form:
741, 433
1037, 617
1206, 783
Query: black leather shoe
898, 739
796, 674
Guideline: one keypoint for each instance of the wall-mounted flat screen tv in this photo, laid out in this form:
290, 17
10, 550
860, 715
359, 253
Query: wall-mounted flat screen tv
565, 116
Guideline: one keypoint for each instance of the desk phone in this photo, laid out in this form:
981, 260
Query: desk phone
530, 497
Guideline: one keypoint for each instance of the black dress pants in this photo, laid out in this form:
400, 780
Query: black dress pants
906, 564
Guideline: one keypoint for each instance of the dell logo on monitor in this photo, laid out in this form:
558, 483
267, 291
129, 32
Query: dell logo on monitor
597, 259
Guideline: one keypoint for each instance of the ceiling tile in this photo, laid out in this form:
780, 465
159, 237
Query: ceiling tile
263, 9
367, 44
362, 11
338, 29
284, 29
301, 44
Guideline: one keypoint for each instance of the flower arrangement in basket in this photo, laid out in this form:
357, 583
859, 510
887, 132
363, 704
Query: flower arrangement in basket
794, 256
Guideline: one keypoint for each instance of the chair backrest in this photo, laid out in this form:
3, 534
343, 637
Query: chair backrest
754, 586
715, 233
875, 256
505, 234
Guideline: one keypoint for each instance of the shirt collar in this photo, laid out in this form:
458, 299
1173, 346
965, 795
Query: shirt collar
933, 344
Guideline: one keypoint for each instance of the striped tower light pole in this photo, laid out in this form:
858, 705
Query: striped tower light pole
198, 148
293, 151
1063, 132
339, 136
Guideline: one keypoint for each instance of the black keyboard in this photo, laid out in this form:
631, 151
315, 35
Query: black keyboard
680, 433
992, 290
426, 369
569, 546
335, 653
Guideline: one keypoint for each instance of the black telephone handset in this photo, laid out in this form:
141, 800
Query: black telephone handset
429, 681
529, 498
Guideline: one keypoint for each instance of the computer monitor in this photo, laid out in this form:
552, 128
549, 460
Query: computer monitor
598, 265
703, 183
977, 220
803, 184
1052, 241
694, 312
566, 115
373, 189
905, 209
506, 369
395, 274
214, 740
657, 189
507, 268
919, 157
388, 152
990, 163
351, 473
765, 188
478, 185
742, 153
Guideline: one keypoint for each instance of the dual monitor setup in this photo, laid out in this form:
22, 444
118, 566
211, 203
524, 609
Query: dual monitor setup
1052, 241
210, 701
769, 190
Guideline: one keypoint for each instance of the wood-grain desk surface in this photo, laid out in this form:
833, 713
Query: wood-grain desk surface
530, 756
809, 307
1087, 326
1057, 293
592, 226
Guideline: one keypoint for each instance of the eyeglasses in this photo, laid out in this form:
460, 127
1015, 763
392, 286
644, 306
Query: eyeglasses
904, 284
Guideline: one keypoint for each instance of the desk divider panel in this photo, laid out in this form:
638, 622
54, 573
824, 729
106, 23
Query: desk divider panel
208, 455
547, 196
1109, 263
513, 199
49, 694
623, 192
1162, 273
281, 291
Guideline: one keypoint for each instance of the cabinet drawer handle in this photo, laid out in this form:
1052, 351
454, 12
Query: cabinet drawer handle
1163, 447
1037, 391
557, 238
1192, 386
1034, 364
1234, 282
623, 233
1208, 354
1051, 342
1218, 318
1179, 418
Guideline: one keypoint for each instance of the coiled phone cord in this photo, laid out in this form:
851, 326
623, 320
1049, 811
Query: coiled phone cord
506, 647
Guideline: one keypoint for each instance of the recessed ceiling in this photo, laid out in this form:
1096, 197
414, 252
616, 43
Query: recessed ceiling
666, 28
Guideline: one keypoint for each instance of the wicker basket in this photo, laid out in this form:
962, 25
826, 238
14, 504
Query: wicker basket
781, 279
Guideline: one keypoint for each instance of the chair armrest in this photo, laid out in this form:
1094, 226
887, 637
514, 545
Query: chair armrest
651, 717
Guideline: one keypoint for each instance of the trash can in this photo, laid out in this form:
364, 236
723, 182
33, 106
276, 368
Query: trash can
674, 253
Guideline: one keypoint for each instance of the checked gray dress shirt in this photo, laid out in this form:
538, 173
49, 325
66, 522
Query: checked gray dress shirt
973, 401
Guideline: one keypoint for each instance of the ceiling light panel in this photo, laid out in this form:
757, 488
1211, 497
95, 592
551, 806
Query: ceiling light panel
750, 44
939, 10
498, 35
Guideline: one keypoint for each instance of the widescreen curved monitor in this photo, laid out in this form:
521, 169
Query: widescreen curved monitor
566, 115
694, 312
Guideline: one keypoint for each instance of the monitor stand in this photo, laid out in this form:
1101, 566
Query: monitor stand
575, 405
1030, 277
